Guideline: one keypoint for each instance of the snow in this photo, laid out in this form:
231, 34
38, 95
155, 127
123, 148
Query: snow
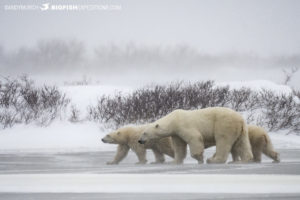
59, 136
284, 140
85, 95
150, 183
258, 85
86, 136
63, 135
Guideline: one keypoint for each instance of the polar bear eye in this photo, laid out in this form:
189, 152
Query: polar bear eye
156, 126
119, 133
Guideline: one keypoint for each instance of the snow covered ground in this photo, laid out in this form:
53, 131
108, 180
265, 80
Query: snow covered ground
258, 85
63, 135
86, 136
86, 95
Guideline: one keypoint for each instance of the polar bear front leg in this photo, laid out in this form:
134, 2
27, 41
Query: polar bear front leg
222, 152
197, 148
159, 157
180, 148
121, 154
141, 154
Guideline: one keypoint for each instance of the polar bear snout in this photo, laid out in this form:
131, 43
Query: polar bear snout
108, 139
141, 141
103, 140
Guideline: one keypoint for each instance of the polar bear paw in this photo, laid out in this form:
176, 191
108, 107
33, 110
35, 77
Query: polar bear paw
141, 162
112, 163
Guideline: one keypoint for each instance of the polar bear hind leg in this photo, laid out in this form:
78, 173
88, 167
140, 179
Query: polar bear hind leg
235, 154
242, 145
269, 151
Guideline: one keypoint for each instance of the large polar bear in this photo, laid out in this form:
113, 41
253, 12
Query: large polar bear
260, 143
127, 138
218, 126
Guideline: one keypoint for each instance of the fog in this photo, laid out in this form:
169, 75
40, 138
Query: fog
154, 41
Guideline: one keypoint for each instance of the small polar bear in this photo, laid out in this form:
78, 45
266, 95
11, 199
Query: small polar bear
260, 143
127, 138
218, 126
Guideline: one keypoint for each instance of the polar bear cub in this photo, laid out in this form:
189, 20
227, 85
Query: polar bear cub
260, 143
127, 138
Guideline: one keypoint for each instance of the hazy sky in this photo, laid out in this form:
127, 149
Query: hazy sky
265, 27
226, 40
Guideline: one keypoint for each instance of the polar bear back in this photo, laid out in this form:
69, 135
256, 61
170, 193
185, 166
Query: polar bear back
210, 122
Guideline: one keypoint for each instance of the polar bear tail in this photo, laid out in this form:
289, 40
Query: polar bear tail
243, 145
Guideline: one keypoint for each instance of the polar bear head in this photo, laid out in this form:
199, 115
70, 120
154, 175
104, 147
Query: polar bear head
116, 137
152, 132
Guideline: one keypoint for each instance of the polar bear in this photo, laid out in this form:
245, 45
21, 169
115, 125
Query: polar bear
218, 126
260, 143
127, 138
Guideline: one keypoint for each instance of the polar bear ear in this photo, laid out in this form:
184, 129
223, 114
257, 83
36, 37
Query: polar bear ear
156, 126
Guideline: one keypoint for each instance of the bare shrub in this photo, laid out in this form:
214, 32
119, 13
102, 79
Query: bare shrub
150, 103
297, 93
83, 81
238, 98
281, 111
289, 74
22, 102
74, 117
